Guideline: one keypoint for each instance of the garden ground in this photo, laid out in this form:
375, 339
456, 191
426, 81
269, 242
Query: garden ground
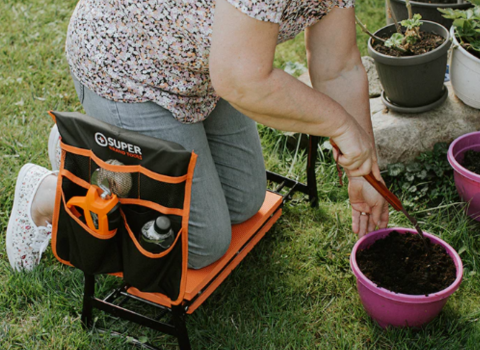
294, 291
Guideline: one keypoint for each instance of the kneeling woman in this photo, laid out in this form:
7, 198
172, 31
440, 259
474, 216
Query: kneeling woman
200, 73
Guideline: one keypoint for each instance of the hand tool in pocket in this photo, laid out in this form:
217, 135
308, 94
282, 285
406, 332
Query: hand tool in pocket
101, 208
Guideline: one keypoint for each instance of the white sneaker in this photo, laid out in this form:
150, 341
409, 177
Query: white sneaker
26, 242
54, 150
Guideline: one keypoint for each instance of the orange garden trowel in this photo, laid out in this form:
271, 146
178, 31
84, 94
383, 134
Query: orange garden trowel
101, 209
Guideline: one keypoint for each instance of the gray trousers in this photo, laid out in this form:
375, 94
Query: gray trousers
229, 182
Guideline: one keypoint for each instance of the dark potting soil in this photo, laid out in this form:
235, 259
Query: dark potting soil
428, 43
471, 161
469, 50
401, 264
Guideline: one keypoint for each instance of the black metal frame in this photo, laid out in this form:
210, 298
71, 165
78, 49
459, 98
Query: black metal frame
177, 326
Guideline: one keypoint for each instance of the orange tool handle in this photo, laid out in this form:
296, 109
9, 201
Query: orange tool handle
384, 191
380, 187
93, 203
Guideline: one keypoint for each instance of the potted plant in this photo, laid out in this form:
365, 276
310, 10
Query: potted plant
411, 60
428, 9
399, 309
467, 178
465, 61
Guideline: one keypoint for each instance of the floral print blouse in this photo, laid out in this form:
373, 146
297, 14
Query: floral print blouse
157, 50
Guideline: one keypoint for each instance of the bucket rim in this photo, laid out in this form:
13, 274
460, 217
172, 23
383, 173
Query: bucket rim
452, 158
407, 298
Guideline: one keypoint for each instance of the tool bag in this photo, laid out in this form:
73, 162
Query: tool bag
160, 182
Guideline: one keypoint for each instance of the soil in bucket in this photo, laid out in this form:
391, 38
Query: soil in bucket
428, 43
403, 264
471, 161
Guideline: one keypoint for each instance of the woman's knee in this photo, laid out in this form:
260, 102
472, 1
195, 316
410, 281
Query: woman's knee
209, 244
253, 197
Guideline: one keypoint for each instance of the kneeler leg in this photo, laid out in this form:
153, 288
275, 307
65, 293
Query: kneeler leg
178, 320
311, 178
88, 294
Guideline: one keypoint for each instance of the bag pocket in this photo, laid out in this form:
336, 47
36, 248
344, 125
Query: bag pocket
150, 272
87, 250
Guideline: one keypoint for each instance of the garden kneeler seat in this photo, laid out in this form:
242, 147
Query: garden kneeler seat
151, 177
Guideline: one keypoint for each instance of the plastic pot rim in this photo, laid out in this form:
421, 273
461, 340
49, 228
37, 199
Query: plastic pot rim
436, 5
399, 297
459, 47
452, 159
412, 60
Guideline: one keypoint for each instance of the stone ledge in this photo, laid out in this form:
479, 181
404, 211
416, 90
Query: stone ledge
402, 137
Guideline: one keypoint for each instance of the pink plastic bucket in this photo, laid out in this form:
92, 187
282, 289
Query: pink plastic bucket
467, 183
395, 309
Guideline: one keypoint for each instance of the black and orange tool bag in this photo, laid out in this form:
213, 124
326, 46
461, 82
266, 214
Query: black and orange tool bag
148, 177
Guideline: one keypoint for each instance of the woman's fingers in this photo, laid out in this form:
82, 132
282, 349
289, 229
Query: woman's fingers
384, 217
356, 151
363, 224
359, 167
372, 222
355, 221
360, 219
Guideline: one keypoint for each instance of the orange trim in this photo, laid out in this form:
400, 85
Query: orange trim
53, 116
152, 205
76, 180
140, 248
117, 274
124, 168
185, 220
156, 298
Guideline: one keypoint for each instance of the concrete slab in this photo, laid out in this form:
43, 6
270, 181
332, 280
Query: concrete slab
402, 137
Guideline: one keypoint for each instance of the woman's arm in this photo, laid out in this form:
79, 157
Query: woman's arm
336, 70
241, 68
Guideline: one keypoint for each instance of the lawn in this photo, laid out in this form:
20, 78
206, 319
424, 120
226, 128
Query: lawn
294, 291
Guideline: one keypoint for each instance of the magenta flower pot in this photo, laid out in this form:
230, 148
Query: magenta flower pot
466, 182
401, 310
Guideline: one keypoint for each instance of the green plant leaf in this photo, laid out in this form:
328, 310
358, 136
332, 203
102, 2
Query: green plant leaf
405, 186
395, 169
449, 13
414, 22
411, 39
438, 172
395, 40
422, 174
143, 339
414, 167
440, 148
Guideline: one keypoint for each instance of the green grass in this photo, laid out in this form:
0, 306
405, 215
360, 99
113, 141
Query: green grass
294, 291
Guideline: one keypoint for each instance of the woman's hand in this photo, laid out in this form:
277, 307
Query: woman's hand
357, 155
365, 199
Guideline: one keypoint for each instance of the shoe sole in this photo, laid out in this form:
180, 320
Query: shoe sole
52, 145
11, 221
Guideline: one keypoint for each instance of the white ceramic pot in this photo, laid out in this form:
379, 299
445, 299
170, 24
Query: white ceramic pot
465, 74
